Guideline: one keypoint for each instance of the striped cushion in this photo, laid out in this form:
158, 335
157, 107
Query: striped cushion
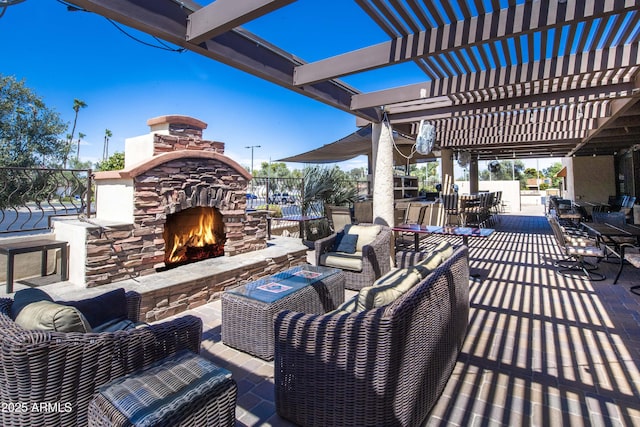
585, 251
146, 397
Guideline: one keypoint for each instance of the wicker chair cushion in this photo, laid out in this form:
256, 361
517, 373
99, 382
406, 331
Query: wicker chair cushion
366, 234
437, 256
344, 261
50, 316
388, 288
147, 397
349, 306
445, 248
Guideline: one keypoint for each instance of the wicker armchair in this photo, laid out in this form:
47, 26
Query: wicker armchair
60, 372
375, 256
382, 367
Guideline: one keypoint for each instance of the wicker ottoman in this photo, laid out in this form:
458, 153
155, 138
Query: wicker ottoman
248, 311
178, 391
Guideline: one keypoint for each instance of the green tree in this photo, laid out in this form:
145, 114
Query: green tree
113, 163
77, 105
551, 173
80, 137
105, 147
358, 174
509, 170
29, 131
325, 185
273, 170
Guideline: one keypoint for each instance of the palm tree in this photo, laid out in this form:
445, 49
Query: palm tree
77, 105
80, 136
105, 148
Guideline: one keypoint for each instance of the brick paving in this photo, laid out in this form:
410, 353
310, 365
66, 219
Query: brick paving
541, 349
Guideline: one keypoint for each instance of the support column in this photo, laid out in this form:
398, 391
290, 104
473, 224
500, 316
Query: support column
473, 174
382, 159
446, 164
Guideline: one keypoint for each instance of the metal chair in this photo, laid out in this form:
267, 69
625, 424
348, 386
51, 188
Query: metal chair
576, 249
451, 207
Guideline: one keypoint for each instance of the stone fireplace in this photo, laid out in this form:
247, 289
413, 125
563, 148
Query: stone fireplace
193, 234
179, 199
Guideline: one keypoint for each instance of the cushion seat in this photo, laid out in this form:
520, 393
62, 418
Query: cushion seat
342, 260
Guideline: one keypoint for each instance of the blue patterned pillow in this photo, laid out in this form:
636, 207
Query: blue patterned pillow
347, 244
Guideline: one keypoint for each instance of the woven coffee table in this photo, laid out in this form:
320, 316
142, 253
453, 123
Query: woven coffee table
248, 311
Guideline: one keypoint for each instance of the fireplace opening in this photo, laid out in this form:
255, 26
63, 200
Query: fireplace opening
193, 234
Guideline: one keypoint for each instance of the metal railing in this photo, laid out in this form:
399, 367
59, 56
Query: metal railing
289, 194
31, 197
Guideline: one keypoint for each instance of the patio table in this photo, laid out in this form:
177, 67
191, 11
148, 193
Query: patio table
605, 234
464, 232
248, 311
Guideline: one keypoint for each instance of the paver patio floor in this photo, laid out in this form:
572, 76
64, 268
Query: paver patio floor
540, 350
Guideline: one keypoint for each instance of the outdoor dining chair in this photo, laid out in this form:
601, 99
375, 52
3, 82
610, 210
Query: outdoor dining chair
576, 249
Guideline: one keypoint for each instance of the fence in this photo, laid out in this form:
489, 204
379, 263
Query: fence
31, 197
289, 193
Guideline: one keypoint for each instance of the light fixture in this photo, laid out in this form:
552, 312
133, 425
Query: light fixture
426, 138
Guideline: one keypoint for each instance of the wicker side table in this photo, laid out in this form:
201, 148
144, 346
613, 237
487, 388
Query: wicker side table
182, 390
248, 312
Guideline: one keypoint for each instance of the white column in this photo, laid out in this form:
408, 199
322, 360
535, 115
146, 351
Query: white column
474, 184
382, 160
446, 164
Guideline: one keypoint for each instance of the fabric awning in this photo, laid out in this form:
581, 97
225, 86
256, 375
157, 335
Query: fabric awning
356, 144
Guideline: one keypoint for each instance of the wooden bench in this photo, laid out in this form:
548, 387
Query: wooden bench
41, 245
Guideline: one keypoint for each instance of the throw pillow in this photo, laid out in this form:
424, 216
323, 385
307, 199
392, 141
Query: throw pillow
366, 234
115, 325
432, 261
349, 306
24, 297
348, 244
445, 248
50, 316
385, 293
103, 308
336, 242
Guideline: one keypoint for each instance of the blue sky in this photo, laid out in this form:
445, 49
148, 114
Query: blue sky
64, 55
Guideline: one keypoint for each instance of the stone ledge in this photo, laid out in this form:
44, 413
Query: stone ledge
170, 292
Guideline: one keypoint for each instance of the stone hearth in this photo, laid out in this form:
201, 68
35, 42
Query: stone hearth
166, 171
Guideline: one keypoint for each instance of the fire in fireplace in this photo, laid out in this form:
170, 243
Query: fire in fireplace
193, 234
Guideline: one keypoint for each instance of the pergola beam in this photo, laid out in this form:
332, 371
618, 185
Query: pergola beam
577, 66
524, 102
224, 15
485, 29
237, 48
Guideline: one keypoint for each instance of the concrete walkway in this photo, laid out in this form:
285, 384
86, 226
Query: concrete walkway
540, 350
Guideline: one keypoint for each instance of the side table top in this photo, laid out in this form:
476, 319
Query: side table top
280, 285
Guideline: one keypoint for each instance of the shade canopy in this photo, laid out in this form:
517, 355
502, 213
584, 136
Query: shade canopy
356, 144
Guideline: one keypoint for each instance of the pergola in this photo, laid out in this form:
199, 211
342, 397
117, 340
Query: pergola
502, 78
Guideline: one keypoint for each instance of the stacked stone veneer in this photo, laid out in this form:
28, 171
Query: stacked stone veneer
195, 290
184, 172
184, 139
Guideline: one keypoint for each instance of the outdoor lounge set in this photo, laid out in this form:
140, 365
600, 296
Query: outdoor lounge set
381, 358
56, 370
